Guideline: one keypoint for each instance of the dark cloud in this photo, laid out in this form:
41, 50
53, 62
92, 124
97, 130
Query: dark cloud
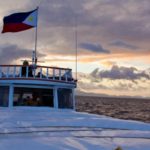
125, 73
93, 47
60, 12
126, 19
11, 53
123, 44
119, 22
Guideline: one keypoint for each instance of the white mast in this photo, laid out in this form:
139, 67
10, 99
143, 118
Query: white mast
76, 46
35, 50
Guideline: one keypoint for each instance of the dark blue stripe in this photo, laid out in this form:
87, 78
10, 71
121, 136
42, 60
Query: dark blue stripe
17, 17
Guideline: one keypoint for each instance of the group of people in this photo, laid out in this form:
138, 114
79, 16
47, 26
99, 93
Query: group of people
29, 71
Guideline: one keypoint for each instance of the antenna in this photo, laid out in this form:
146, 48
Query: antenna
76, 46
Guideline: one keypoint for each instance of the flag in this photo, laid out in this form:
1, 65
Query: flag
20, 21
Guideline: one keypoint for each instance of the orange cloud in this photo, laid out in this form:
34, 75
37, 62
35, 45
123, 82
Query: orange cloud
108, 63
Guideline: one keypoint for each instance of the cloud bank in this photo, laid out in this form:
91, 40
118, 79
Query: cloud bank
10, 53
117, 73
117, 81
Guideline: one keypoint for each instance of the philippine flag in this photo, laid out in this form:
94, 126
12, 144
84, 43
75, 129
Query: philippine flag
20, 21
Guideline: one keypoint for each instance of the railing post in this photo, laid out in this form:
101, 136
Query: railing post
66, 76
34, 72
47, 72
20, 75
0, 72
59, 74
70, 71
14, 73
27, 71
53, 74
40, 73
7, 75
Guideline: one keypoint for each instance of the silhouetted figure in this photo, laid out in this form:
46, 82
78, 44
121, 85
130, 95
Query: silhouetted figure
30, 72
24, 69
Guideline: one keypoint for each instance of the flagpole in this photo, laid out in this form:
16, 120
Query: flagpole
36, 31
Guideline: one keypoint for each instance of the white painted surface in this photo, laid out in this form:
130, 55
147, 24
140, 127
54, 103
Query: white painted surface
68, 130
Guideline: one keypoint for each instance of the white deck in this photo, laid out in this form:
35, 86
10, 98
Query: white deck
44, 129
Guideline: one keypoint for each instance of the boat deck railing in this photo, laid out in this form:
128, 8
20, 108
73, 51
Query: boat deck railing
38, 72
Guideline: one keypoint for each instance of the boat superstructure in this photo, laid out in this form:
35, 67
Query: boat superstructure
45, 86
34, 85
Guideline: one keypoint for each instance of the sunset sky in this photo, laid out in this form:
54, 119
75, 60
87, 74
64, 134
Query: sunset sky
113, 42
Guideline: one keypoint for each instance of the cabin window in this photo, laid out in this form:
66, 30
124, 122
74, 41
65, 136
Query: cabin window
65, 98
33, 97
4, 96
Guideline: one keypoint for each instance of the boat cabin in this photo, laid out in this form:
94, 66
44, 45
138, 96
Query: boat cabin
24, 85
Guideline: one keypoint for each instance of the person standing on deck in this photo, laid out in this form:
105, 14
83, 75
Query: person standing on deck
24, 69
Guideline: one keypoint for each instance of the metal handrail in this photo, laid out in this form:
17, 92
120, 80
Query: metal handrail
38, 72
37, 67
